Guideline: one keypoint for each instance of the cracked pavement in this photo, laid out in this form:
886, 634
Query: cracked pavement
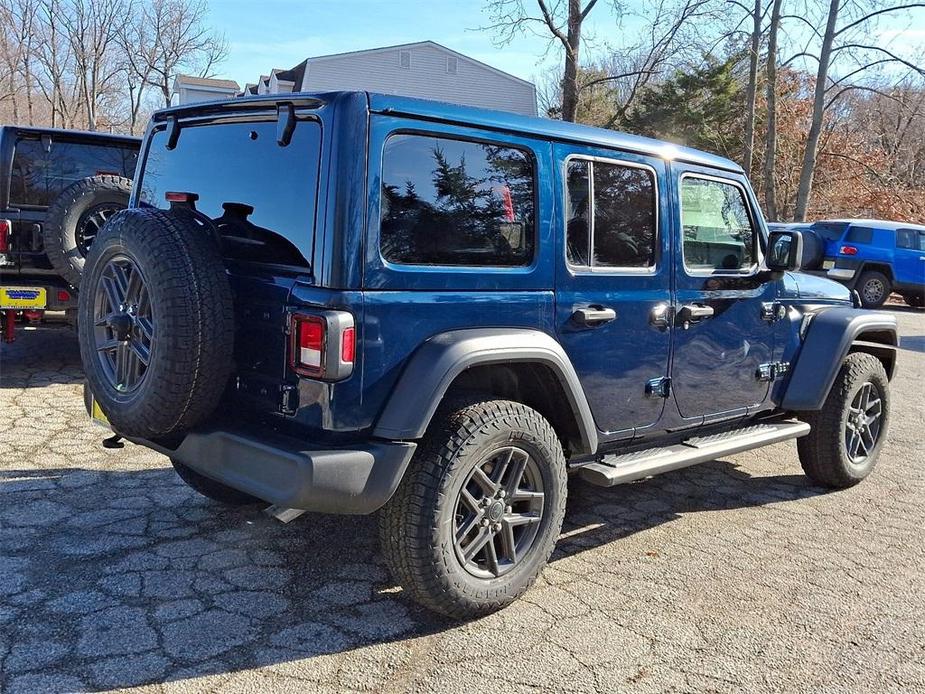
735, 575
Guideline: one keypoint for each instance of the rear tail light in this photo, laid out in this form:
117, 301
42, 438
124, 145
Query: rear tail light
6, 228
322, 345
64, 296
848, 250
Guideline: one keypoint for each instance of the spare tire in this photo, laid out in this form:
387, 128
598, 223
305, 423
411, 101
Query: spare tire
156, 322
813, 250
76, 217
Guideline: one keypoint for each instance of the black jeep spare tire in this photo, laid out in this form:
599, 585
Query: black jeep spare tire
156, 322
76, 217
813, 250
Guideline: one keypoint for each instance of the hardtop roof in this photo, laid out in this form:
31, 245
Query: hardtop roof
875, 223
87, 134
469, 115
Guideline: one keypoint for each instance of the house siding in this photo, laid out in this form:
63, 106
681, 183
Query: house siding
427, 78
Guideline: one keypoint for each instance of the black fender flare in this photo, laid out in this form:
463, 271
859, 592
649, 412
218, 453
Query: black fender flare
437, 363
832, 333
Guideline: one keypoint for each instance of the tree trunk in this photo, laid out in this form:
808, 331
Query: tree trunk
804, 192
570, 74
752, 89
770, 141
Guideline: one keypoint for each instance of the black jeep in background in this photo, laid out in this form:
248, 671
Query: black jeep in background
57, 188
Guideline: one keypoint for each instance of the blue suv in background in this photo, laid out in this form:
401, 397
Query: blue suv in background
874, 257
356, 303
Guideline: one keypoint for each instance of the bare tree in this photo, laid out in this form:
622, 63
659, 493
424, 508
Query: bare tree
756, 14
93, 28
770, 143
847, 22
182, 40
561, 22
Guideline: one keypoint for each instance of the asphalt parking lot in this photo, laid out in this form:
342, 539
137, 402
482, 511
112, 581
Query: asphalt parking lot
736, 575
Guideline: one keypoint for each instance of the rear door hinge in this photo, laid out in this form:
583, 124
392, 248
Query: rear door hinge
288, 399
772, 371
658, 387
772, 311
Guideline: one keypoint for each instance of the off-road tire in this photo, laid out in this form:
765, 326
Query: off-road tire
914, 300
59, 233
416, 529
823, 452
813, 250
211, 489
192, 309
873, 276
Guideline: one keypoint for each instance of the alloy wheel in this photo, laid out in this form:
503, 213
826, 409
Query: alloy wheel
873, 291
863, 424
498, 512
90, 224
124, 328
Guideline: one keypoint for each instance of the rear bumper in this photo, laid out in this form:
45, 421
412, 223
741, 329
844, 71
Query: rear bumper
285, 472
60, 296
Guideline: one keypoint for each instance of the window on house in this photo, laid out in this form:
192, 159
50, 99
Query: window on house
610, 215
404, 59
455, 202
452, 64
718, 232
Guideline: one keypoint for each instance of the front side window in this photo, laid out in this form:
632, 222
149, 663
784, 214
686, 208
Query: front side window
718, 233
41, 173
610, 215
456, 202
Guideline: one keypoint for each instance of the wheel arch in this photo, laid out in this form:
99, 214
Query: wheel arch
521, 364
873, 265
833, 334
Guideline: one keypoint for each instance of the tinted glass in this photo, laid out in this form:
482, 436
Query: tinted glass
578, 212
260, 196
859, 235
39, 176
911, 239
718, 233
830, 232
454, 202
624, 216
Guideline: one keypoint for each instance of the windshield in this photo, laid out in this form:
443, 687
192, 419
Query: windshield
260, 195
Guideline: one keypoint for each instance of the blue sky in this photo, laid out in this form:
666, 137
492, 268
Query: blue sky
282, 33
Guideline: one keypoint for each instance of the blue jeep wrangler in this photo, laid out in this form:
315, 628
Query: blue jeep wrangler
873, 257
351, 303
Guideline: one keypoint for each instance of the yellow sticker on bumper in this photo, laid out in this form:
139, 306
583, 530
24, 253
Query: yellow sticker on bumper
19, 298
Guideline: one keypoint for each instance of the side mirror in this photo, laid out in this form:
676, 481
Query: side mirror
785, 250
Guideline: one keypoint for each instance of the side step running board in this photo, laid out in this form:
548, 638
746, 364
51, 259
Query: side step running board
629, 467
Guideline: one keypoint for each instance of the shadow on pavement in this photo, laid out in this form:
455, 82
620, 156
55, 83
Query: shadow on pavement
118, 578
41, 356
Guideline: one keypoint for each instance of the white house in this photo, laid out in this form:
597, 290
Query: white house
189, 90
425, 69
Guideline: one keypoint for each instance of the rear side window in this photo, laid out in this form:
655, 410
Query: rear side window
40, 174
260, 196
859, 235
912, 239
456, 202
610, 215
718, 233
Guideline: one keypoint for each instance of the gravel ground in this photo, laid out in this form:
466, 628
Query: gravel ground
736, 575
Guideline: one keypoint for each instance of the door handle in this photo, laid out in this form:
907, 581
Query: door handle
694, 313
593, 316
